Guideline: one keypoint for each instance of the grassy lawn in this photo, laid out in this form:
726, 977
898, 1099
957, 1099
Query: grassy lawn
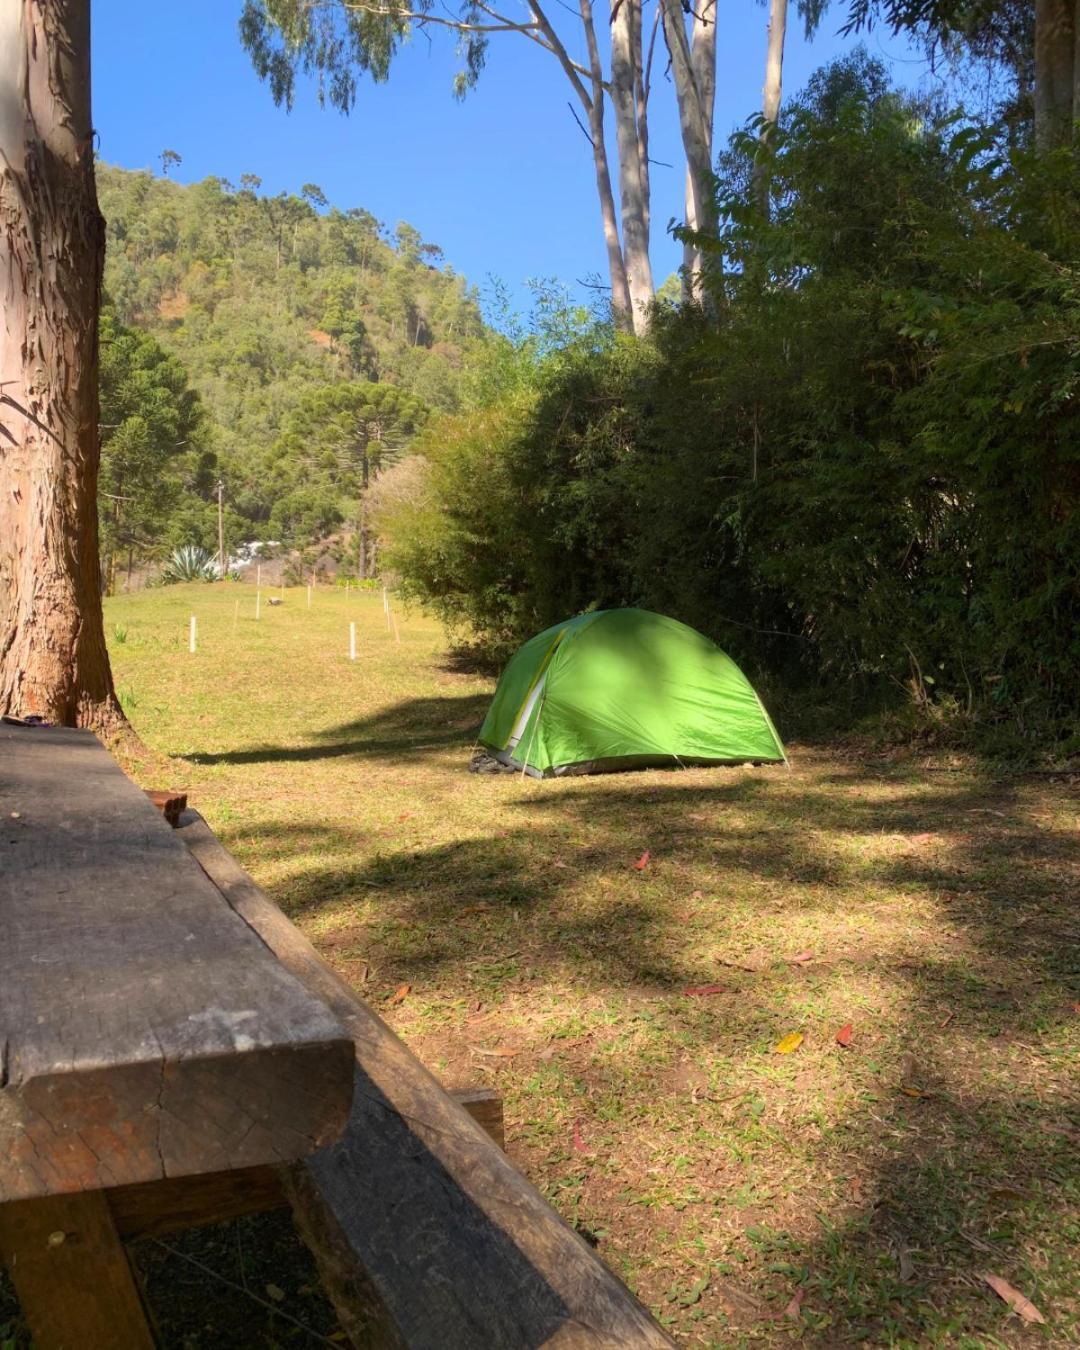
837, 1196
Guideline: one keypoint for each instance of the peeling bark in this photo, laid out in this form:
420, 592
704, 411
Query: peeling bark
632, 183
694, 73
703, 68
53, 660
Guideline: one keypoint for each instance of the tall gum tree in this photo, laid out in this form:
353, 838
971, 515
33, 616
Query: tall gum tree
340, 40
1036, 41
53, 660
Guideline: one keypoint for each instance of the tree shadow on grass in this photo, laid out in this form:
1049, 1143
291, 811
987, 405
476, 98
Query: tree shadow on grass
418, 726
974, 1171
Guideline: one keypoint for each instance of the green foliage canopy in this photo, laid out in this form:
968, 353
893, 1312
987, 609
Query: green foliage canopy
861, 479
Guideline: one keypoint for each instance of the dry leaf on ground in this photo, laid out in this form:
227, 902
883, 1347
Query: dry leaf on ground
698, 990
579, 1141
843, 1036
643, 861
794, 1308
1019, 1303
790, 1042
401, 993
800, 958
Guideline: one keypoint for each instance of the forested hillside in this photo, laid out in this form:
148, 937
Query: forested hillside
267, 303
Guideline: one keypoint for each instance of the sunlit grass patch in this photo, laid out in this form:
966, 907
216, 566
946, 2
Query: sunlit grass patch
930, 908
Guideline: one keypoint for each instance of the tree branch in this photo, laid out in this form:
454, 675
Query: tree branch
570, 67
421, 18
501, 23
581, 124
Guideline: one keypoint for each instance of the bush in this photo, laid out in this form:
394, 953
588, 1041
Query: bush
861, 478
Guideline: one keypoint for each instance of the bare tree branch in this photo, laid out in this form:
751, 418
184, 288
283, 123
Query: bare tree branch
581, 124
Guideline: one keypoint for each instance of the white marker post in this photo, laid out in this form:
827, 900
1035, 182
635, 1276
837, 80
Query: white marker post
397, 635
352, 642
258, 597
386, 607
258, 576
191, 635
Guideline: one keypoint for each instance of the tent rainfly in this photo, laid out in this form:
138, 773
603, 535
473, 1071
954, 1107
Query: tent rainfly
625, 689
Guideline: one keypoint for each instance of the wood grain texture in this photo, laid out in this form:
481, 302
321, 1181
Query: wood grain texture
156, 1207
426, 1235
486, 1107
71, 1274
171, 804
145, 1032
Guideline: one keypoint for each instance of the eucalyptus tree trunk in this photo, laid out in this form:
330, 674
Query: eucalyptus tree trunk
774, 84
621, 303
641, 110
633, 184
695, 91
591, 98
53, 660
1057, 71
703, 67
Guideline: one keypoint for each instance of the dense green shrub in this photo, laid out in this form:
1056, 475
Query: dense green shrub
860, 475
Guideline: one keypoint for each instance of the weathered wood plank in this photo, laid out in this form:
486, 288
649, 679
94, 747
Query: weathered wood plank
485, 1106
71, 1274
171, 804
426, 1235
156, 1207
145, 1031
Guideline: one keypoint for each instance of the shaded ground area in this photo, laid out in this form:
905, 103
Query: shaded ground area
832, 1195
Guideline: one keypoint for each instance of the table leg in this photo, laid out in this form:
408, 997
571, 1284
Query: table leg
71, 1274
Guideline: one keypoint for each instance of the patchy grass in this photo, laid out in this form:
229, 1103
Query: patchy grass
720, 1179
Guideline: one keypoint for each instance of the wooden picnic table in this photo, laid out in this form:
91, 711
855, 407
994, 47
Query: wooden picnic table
173, 1052
146, 1033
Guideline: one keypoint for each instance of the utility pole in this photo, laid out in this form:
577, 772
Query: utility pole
221, 526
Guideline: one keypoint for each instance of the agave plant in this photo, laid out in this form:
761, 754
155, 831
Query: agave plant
190, 563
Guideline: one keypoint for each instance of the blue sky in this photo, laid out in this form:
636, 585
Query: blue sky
503, 181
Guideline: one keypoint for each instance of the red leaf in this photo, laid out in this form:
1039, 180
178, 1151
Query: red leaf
579, 1142
698, 990
643, 861
793, 1308
800, 958
401, 993
843, 1036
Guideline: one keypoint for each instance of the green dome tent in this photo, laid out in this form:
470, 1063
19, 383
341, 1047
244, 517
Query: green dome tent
624, 689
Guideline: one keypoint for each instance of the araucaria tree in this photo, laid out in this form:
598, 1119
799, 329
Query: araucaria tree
340, 40
53, 659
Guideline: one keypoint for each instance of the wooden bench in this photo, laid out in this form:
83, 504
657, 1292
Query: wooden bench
425, 1234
